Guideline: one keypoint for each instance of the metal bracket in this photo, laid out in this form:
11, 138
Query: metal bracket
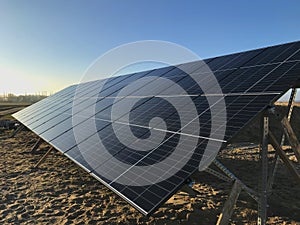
250, 191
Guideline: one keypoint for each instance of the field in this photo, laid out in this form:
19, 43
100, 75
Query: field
60, 192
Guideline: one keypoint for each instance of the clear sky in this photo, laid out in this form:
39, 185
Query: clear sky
48, 45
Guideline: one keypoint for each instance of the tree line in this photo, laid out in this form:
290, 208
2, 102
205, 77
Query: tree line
28, 98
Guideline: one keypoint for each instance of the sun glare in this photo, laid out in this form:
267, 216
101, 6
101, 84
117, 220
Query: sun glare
18, 83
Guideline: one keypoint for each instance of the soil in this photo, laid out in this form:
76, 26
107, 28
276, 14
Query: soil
60, 192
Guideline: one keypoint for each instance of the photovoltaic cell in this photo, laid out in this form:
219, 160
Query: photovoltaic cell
144, 134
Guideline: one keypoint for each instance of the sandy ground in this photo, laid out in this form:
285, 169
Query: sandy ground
60, 192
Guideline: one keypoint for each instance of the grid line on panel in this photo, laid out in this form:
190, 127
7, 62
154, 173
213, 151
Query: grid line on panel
95, 86
155, 149
192, 95
137, 176
67, 97
38, 108
220, 79
158, 129
107, 137
102, 165
162, 162
109, 105
260, 95
174, 188
67, 108
238, 114
135, 90
120, 194
276, 79
273, 70
269, 54
45, 100
215, 67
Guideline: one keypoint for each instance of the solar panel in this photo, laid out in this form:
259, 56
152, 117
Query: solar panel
139, 134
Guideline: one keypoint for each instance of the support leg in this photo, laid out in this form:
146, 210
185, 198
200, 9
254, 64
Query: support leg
284, 157
290, 110
43, 158
289, 115
14, 133
230, 204
37, 144
291, 136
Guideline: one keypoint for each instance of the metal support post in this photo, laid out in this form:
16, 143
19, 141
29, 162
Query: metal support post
262, 205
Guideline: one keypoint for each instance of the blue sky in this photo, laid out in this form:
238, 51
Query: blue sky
48, 45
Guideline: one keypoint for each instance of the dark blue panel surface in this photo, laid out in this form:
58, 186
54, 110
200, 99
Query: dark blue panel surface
144, 134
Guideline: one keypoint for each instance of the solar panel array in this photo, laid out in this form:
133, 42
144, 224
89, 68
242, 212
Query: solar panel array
138, 138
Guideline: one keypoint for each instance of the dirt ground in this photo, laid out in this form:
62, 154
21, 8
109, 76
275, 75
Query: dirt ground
60, 192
